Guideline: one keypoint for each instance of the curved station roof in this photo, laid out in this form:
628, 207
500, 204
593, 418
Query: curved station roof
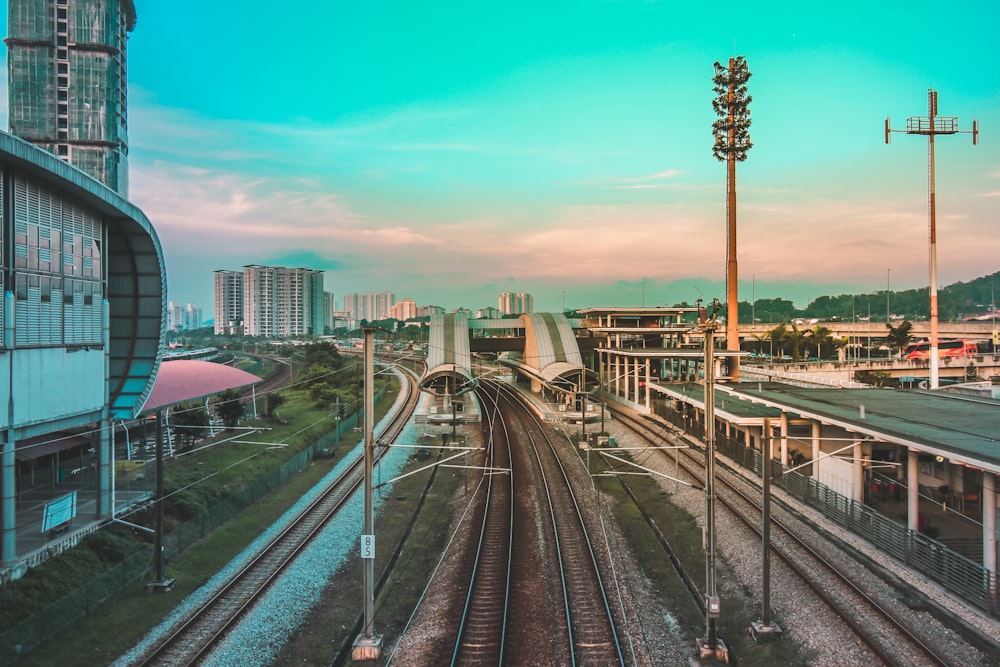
550, 352
449, 360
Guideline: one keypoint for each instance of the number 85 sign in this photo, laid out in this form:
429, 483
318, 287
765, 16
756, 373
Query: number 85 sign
367, 546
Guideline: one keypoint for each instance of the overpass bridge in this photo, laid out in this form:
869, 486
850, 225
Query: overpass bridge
875, 331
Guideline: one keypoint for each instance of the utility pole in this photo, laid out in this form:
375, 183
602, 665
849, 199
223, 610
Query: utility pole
763, 627
368, 645
711, 644
932, 125
732, 142
162, 583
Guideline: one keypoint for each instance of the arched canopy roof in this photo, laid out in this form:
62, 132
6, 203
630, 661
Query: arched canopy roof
136, 280
187, 380
448, 352
549, 340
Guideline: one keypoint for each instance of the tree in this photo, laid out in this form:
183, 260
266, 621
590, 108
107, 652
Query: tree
840, 345
898, 336
273, 401
188, 421
777, 337
821, 336
795, 341
229, 408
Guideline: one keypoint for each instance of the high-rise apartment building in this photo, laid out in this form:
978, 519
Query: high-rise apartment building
488, 313
403, 310
280, 301
183, 317
371, 306
67, 82
511, 303
228, 309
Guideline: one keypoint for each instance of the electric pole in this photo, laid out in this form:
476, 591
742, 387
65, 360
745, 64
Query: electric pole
932, 125
368, 644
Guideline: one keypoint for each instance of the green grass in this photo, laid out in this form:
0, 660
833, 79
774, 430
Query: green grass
213, 471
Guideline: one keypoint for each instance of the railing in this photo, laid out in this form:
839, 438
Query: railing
47, 624
957, 573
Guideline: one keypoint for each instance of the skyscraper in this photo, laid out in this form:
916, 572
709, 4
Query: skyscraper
511, 303
228, 309
67, 81
371, 306
280, 301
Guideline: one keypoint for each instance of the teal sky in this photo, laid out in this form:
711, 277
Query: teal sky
450, 151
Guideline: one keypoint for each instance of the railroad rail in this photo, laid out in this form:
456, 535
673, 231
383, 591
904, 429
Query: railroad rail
592, 637
483, 627
881, 630
197, 634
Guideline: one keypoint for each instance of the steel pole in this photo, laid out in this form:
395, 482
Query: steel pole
368, 645
932, 216
711, 595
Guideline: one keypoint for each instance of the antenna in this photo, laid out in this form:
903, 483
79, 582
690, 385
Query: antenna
930, 126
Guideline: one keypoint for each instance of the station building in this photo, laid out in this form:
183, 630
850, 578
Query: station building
914, 472
81, 333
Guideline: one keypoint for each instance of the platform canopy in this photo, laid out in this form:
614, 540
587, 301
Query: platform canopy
185, 380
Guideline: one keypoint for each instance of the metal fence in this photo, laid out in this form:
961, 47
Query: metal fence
63, 614
953, 571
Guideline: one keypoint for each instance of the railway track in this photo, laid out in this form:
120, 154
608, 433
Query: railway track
592, 637
891, 639
483, 627
196, 635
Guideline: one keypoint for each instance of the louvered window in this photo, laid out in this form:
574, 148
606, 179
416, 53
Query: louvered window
58, 270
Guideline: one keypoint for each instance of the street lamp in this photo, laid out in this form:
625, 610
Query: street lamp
888, 291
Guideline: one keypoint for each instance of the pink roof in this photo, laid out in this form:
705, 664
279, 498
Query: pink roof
183, 380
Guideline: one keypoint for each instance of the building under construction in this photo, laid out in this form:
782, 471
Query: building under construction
67, 82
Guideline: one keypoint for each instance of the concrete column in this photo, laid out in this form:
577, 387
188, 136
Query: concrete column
648, 391
858, 470
784, 438
990, 526
913, 491
635, 381
816, 427
8, 500
618, 376
105, 467
8, 463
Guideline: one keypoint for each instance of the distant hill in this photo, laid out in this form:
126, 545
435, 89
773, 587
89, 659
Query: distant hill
955, 302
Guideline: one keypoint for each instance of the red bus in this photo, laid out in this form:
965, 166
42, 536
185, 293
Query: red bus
946, 348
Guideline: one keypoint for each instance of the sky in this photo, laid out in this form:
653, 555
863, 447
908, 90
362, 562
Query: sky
451, 151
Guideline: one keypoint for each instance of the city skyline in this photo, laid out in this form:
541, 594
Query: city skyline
565, 151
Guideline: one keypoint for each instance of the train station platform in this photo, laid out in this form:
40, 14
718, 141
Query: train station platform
77, 485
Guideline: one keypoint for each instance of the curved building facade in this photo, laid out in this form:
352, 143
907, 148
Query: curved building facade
84, 286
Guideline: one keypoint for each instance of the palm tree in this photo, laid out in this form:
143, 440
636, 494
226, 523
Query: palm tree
795, 340
821, 335
777, 336
840, 345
